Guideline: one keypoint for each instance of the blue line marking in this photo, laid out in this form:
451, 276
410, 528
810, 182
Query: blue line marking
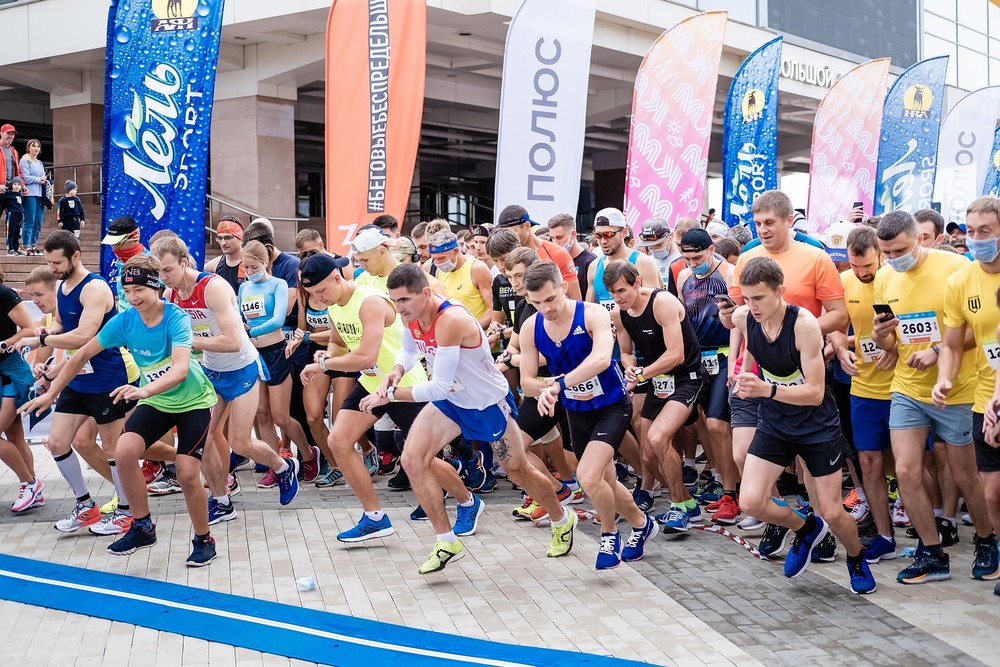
269, 627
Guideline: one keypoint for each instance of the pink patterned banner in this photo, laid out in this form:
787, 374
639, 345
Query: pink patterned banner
672, 121
845, 144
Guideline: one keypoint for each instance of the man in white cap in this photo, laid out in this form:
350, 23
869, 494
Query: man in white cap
717, 230
835, 240
609, 228
373, 251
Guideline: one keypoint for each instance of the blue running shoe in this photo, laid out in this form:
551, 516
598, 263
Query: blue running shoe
676, 520
260, 468
288, 482
800, 553
926, 567
468, 517
236, 462
475, 473
368, 529
862, 580
986, 566
880, 549
418, 514
694, 514
637, 541
490, 485
372, 461
711, 492
217, 512
643, 499
609, 554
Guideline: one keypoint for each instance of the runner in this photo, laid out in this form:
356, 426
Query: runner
797, 417
373, 252
653, 325
229, 265
576, 340
609, 228
562, 228
655, 238
467, 280
233, 367
123, 237
173, 393
515, 218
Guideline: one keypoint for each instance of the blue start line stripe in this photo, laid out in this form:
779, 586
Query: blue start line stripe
305, 634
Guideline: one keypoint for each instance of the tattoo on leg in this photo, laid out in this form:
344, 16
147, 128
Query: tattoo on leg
501, 450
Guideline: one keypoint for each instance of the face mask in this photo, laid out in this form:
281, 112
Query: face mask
662, 253
447, 267
256, 277
983, 250
903, 263
568, 246
702, 269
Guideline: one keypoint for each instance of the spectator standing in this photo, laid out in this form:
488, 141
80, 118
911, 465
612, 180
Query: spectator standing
69, 213
33, 195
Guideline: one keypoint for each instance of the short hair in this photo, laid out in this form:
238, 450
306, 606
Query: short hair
873, 221
895, 223
144, 262
464, 235
441, 237
862, 239
525, 256
728, 247
231, 218
987, 204
543, 232
563, 221
419, 231
949, 247
409, 276
930, 215
620, 270
170, 246
64, 240
762, 270
307, 236
41, 274
685, 225
386, 221
162, 234
437, 225
256, 230
258, 251
501, 242
773, 201
540, 273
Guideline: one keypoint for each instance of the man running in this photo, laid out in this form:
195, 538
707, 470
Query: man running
562, 229
576, 340
797, 417
656, 238
373, 252
229, 265
515, 218
609, 228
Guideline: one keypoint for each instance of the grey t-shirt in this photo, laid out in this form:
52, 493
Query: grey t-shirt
8, 158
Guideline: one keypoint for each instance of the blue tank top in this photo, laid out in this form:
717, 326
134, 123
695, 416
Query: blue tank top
601, 293
702, 309
607, 388
106, 370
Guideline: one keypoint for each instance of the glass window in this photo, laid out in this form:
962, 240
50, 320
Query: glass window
995, 45
940, 27
934, 46
994, 72
944, 8
971, 39
744, 11
972, 71
972, 14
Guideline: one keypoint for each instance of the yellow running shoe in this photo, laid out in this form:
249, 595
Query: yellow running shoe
562, 536
525, 510
110, 506
442, 554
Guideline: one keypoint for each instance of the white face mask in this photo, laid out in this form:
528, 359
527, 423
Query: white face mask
662, 253
447, 266
256, 277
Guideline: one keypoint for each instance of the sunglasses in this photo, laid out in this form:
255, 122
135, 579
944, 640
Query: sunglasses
650, 236
607, 236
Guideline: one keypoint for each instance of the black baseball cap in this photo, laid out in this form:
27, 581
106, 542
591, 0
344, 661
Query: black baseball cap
696, 240
317, 268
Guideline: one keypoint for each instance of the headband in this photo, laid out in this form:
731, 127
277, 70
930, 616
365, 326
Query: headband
134, 275
230, 227
266, 239
451, 244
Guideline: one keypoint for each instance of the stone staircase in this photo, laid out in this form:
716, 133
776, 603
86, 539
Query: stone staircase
16, 269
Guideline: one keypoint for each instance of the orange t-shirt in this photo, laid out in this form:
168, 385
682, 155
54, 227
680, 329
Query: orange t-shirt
810, 276
550, 252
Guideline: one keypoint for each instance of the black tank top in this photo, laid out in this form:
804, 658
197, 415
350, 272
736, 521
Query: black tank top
647, 336
779, 362
233, 275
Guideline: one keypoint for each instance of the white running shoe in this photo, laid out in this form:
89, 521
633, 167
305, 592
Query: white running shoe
115, 523
899, 517
28, 496
750, 524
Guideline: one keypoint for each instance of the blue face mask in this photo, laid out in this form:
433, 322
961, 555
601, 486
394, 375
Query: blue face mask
983, 250
903, 263
702, 269
256, 277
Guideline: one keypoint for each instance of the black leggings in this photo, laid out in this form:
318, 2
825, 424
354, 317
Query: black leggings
151, 424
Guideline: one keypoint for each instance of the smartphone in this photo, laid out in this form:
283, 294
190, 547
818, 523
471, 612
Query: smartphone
858, 204
936, 205
724, 300
885, 310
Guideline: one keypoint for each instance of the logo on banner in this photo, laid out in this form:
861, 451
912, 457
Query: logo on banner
917, 102
378, 98
753, 105
996, 159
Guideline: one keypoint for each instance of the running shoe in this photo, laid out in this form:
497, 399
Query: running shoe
880, 549
643, 500
728, 511
826, 550
288, 482
467, 519
151, 471
39, 502
387, 463
368, 529
81, 517
110, 506
926, 567
260, 468
136, 538
115, 523
712, 492
310, 468
400, 481
540, 516
776, 538
443, 553
269, 480
474, 473
899, 518
609, 554
636, 543
862, 580
562, 536
622, 472
217, 512
238, 462
372, 461
202, 551
947, 530
164, 486
857, 508
751, 524
418, 514
333, 477
676, 520
967, 520
893, 485
800, 553
490, 485
234, 486
525, 510
689, 475
27, 495
986, 566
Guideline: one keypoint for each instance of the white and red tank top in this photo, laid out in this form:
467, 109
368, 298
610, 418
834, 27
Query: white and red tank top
205, 325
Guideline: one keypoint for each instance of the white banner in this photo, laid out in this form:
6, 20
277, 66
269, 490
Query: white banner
543, 107
964, 151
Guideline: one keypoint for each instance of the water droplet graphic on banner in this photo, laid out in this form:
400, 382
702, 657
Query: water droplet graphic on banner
190, 45
123, 34
116, 71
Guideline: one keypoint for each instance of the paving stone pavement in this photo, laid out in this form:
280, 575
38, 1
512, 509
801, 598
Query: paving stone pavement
696, 600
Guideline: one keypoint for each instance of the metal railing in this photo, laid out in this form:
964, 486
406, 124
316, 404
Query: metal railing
212, 212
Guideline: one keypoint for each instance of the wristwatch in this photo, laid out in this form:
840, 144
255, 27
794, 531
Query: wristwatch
305, 338
391, 392
41, 339
322, 360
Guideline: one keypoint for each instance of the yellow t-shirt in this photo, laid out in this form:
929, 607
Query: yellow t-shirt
970, 300
460, 288
917, 298
870, 382
378, 282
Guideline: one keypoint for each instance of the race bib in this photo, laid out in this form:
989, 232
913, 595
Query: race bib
585, 391
917, 328
710, 360
253, 306
795, 378
202, 330
318, 321
869, 350
87, 368
156, 371
992, 352
289, 334
609, 304
663, 386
